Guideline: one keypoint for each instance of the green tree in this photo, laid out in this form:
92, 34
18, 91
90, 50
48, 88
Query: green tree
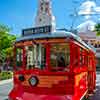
6, 42
97, 29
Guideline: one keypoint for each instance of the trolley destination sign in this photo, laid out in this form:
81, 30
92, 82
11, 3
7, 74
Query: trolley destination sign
36, 30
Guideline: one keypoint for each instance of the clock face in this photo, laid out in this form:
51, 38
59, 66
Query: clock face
43, 19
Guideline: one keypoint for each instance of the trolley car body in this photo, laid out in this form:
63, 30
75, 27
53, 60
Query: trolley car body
39, 75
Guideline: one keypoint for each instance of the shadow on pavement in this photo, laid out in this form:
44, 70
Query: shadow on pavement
96, 95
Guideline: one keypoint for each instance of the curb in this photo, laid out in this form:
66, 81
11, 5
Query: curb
6, 81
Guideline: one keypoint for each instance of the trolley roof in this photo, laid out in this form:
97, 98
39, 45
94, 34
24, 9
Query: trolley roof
57, 34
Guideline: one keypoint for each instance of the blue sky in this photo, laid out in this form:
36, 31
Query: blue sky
19, 14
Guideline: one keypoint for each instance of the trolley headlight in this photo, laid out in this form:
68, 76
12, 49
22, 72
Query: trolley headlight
21, 78
33, 81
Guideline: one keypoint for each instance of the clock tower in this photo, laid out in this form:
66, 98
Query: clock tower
44, 15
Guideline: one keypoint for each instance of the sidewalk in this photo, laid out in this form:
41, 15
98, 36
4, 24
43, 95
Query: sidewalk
6, 81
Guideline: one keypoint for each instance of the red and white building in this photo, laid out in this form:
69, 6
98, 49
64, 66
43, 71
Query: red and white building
89, 36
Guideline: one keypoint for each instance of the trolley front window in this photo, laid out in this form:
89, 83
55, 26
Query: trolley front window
36, 56
19, 58
60, 56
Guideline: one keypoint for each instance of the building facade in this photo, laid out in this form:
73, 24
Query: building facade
91, 38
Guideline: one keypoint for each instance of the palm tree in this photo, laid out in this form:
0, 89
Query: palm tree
97, 29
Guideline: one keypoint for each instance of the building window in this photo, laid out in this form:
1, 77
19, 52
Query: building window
98, 62
40, 20
41, 6
46, 9
99, 45
96, 45
86, 41
92, 44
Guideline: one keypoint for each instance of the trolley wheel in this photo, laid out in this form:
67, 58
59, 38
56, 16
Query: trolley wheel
85, 98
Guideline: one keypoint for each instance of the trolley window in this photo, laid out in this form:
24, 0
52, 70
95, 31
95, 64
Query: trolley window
36, 56
81, 57
60, 56
19, 58
76, 56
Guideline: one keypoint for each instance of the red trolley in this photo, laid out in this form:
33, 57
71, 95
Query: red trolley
53, 66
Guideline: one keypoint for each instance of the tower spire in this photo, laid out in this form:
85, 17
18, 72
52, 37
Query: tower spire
44, 15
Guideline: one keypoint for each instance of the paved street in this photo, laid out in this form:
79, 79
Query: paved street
5, 88
96, 96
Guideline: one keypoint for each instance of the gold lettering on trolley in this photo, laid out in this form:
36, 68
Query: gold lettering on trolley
48, 81
79, 77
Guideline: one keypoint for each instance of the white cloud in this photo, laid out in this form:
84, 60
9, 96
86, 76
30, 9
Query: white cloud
87, 25
88, 8
97, 9
88, 4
